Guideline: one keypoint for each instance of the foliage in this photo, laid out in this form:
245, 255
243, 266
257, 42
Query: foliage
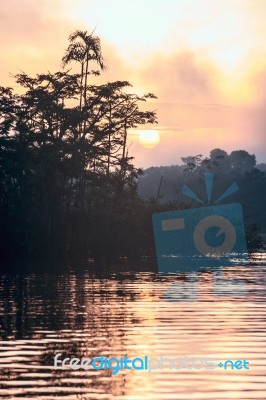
67, 181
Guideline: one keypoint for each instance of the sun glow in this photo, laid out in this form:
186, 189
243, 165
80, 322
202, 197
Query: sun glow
149, 138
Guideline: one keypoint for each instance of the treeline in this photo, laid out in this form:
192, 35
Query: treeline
68, 186
165, 183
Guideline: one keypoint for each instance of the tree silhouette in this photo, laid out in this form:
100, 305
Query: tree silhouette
64, 161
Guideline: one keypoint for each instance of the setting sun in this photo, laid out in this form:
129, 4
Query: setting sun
149, 138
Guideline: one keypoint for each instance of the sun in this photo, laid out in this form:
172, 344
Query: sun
149, 138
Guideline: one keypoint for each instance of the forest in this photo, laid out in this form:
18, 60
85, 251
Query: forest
67, 181
68, 186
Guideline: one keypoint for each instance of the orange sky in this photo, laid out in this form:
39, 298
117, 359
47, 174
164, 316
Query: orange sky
204, 59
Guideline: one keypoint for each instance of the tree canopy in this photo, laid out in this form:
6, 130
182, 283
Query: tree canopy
66, 175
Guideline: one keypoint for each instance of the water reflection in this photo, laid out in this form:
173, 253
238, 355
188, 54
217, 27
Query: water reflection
133, 314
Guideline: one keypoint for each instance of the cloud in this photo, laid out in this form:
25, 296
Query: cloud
28, 23
198, 113
182, 77
189, 65
33, 36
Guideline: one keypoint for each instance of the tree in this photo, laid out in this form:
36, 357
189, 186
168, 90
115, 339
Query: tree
241, 161
84, 49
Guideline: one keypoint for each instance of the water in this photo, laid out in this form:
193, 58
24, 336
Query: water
133, 314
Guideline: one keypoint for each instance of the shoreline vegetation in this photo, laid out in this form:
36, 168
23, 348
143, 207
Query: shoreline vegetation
68, 185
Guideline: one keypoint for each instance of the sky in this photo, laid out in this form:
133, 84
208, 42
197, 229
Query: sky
205, 60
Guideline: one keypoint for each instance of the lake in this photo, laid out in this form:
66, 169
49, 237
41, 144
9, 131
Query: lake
216, 313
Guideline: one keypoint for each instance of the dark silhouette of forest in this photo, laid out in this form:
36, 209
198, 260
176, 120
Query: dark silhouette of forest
68, 186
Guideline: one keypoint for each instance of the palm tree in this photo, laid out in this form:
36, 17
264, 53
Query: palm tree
84, 48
